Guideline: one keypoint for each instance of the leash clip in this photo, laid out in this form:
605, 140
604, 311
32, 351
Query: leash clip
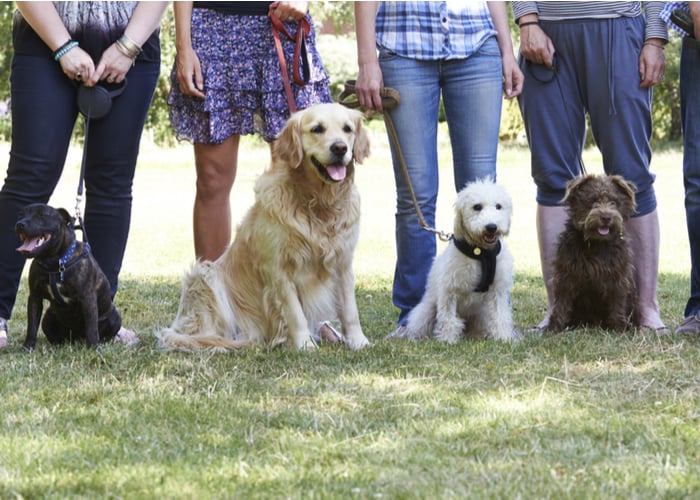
443, 235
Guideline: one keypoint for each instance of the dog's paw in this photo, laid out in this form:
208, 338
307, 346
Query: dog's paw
305, 343
357, 342
513, 335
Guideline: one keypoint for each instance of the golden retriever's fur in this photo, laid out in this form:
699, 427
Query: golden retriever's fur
290, 264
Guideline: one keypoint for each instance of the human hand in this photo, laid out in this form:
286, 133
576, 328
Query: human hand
189, 73
536, 46
77, 64
513, 77
652, 63
369, 83
113, 67
290, 12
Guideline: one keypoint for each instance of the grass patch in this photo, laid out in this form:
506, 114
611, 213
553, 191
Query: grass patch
583, 414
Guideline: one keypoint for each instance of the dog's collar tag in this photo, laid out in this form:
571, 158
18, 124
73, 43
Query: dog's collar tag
63, 260
487, 258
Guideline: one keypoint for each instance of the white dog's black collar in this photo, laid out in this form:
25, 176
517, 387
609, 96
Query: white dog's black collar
487, 256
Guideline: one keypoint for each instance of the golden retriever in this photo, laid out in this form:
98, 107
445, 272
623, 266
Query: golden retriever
290, 264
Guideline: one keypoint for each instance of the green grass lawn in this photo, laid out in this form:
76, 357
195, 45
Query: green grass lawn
585, 414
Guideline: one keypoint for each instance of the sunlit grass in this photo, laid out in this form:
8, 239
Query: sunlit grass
585, 414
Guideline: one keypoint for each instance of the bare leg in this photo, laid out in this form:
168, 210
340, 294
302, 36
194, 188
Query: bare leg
643, 234
550, 223
216, 166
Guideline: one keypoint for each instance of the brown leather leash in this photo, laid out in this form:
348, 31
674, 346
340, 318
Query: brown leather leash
300, 69
390, 99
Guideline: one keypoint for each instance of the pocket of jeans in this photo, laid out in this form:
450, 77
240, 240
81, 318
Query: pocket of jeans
490, 48
385, 55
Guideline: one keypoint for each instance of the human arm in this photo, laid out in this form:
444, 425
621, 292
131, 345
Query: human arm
535, 45
189, 71
114, 64
694, 8
369, 76
45, 21
652, 59
512, 76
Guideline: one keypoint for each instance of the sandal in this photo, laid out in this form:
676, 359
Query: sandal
325, 332
3, 333
126, 337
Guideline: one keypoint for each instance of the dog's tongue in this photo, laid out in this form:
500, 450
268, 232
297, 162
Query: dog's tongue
603, 230
29, 245
337, 172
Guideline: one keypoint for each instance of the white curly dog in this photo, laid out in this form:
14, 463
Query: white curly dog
468, 290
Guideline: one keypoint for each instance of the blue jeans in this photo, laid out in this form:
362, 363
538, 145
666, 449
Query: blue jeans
44, 113
472, 93
690, 119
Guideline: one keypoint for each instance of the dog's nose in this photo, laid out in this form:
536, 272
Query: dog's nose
19, 226
606, 219
339, 148
491, 228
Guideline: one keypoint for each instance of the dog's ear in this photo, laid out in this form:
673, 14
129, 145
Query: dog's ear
361, 147
288, 147
66, 217
575, 184
458, 229
627, 189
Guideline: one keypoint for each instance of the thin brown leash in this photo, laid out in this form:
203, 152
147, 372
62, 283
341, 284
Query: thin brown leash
300, 70
390, 99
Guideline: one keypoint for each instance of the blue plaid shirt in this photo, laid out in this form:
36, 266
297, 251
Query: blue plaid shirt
433, 30
666, 15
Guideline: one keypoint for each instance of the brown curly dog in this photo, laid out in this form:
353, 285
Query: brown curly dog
593, 281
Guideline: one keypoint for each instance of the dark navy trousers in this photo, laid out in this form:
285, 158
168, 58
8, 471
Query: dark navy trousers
44, 113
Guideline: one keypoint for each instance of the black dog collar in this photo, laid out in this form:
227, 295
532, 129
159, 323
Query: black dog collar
487, 256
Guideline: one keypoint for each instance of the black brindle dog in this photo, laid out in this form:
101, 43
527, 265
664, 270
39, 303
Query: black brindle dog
65, 273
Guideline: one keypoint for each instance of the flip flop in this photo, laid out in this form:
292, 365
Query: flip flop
126, 337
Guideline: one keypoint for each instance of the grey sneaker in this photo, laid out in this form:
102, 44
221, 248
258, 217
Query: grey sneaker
3, 332
690, 325
400, 333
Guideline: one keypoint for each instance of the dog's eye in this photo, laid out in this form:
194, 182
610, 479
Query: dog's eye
347, 129
498, 206
318, 129
477, 207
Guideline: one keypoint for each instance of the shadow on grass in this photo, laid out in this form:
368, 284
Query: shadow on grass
571, 412
150, 303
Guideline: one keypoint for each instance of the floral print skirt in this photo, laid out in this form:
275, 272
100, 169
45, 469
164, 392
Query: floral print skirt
242, 80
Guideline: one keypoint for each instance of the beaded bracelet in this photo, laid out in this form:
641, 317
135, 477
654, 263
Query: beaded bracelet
61, 51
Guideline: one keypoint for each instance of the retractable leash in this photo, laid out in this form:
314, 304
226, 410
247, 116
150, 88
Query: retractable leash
390, 99
94, 103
